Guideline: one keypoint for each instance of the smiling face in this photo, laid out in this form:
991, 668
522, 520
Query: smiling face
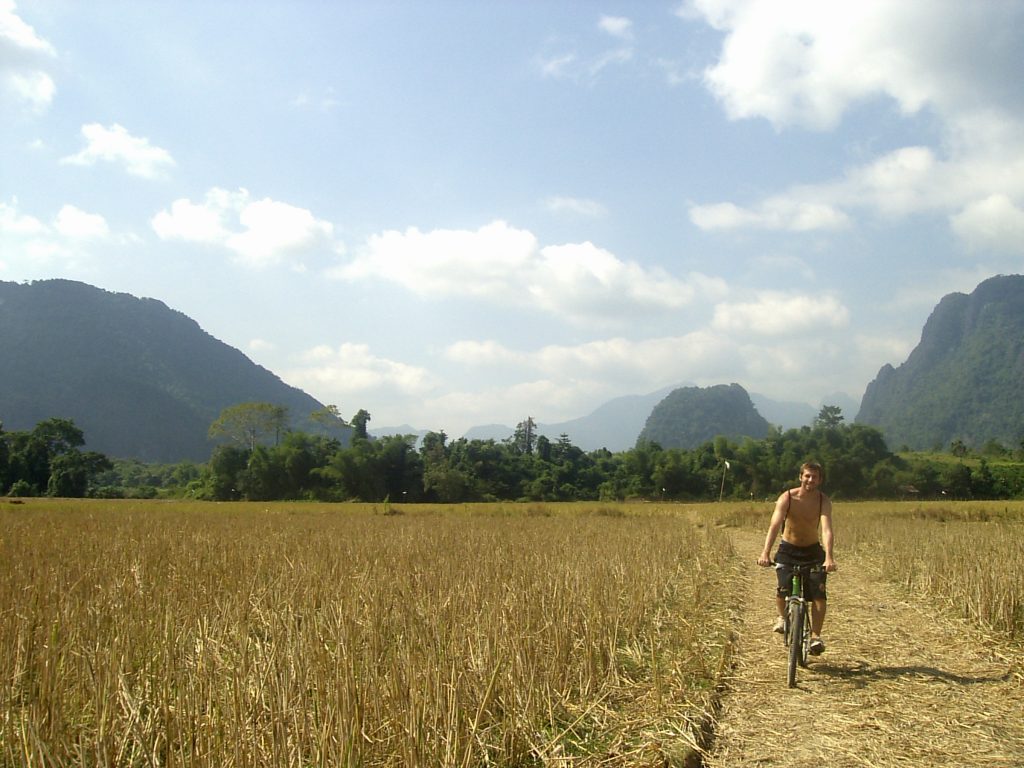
810, 478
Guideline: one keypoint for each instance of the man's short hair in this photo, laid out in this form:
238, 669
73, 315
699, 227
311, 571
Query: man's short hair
814, 466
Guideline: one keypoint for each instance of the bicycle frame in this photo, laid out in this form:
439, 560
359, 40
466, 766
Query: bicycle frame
797, 628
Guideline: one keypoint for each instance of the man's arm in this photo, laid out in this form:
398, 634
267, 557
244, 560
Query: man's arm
827, 536
778, 518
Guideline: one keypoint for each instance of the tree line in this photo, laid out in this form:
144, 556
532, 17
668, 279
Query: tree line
262, 460
47, 460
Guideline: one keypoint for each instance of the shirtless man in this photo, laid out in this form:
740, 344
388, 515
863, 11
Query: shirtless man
798, 513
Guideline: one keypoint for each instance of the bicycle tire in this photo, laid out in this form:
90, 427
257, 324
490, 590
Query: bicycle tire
805, 638
796, 641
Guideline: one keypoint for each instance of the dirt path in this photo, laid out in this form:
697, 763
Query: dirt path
919, 690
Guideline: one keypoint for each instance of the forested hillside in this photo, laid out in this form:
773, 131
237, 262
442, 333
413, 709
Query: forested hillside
140, 380
690, 416
964, 379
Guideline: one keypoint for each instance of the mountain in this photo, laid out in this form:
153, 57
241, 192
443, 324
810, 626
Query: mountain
496, 432
141, 380
403, 430
784, 414
691, 416
964, 379
616, 424
613, 425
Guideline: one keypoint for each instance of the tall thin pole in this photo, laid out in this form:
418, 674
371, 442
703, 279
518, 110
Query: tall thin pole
721, 491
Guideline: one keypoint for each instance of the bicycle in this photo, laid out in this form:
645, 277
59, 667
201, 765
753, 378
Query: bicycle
797, 627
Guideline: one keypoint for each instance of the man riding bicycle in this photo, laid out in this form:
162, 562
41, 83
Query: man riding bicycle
799, 512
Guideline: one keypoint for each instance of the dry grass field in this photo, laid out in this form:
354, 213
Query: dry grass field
966, 555
176, 634
169, 634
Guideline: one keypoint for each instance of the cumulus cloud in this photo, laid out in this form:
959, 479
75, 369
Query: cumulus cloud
350, 372
807, 64
615, 361
75, 223
579, 281
13, 222
30, 241
24, 58
781, 314
115, 145
565, 378
777, 213
260, 233
993, 223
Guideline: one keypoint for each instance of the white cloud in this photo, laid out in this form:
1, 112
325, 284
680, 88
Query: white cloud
273, 229
351, 372
562, 381
587, 68
441, 263
482, 353
776, 213
116, 145
261, 345
260, 233
994, 223
575, 205
13, 222
74, 223
617, 26
29, 243
806, 63
781, 314
615, 361
196, 222
24, 57
580, 281
557, 66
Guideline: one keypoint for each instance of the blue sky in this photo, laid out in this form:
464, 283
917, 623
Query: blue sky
462, 213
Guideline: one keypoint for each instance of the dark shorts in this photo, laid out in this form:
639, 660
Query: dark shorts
788, 554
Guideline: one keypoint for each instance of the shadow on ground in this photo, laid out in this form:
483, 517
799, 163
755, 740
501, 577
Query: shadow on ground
862, 673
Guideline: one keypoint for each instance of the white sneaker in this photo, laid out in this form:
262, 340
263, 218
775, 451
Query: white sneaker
780, 625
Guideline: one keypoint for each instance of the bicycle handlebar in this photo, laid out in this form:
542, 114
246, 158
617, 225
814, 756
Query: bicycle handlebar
808, 568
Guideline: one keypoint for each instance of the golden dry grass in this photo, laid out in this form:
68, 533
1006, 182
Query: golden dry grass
296, 635
967, 556
901, 684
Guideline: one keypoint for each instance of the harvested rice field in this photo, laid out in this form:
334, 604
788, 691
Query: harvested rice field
177, 634
901, 683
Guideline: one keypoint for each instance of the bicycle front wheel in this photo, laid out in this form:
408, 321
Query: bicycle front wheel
796, 640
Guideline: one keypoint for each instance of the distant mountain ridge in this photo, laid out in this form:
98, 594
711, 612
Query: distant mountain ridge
616, 424
141, 380
613, 425
691, 416
964, 380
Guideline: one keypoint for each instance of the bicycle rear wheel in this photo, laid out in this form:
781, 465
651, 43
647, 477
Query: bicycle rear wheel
796, 640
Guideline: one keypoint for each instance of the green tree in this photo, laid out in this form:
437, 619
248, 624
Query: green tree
525, 436
359, 422
829, 417
30, 454
328, 419
222, 481
249, 424
72, 473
